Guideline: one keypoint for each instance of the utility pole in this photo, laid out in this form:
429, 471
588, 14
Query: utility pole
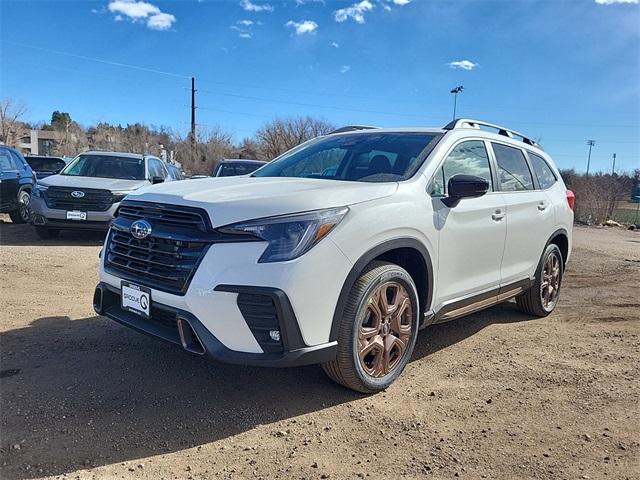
591, 143
455, 92
613, 168
193, 119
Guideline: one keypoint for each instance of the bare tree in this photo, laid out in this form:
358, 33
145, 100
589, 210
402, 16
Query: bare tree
280, 135
11, 125
213, 144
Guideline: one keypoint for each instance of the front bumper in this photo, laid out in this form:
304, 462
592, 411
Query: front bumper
43, 216
184, 329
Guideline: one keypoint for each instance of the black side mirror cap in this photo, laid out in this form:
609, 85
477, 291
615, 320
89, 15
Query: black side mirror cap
155, 180
464, 186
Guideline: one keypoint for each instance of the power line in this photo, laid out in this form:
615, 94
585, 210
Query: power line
99, 60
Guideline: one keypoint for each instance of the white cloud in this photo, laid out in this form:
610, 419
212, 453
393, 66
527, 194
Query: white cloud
463, 64
161, 21
335, 44
402, 3
355, 11
139, 11
611, 2
245, 28
254, 7
345, 68
306, 26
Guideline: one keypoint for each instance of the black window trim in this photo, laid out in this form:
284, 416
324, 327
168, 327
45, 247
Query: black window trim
555, 175
525, 154
492, 165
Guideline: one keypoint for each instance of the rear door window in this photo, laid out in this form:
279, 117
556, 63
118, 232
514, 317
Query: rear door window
513, 170
546, 177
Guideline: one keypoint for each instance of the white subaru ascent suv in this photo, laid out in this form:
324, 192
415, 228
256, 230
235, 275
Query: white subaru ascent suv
340, 250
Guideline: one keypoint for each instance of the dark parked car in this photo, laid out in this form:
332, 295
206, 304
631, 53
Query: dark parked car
230, 167
45, 165
16, 183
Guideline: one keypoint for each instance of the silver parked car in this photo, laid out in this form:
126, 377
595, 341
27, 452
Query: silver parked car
87, 192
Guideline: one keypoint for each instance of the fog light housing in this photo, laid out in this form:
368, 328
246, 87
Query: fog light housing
274, 335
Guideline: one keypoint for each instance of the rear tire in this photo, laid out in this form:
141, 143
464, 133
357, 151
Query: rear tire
541, 299
47, 233
21, 214
378, 329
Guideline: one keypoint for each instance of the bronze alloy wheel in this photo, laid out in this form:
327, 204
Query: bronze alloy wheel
550, 286
385, 329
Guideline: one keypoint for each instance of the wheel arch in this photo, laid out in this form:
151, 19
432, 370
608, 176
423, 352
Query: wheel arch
560, 238
409, 254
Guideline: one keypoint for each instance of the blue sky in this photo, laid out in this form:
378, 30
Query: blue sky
560, 71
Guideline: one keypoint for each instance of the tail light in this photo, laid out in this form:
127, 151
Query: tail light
571, 199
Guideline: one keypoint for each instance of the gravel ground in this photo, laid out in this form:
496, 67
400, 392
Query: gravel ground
494, 395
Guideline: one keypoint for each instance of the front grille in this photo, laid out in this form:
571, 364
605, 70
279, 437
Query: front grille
161, 263
94, 200
169, 215
165, 319
168, 258
261, 315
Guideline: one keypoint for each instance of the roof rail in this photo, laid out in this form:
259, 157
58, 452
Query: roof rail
351, 128
477, 124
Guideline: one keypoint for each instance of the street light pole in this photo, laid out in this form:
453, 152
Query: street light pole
455, 92
591, 143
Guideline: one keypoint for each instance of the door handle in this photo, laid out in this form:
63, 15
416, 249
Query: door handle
542, 206
497, 215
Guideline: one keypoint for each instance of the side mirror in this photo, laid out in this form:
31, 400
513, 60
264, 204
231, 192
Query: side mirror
155, 180
464, 186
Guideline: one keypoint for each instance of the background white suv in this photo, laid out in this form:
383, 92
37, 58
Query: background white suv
338, 251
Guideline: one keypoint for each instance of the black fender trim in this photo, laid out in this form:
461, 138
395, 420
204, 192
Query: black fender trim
560, 231
365, 260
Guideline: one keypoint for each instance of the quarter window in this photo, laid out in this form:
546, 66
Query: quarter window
513, 171
546, 177
467, 158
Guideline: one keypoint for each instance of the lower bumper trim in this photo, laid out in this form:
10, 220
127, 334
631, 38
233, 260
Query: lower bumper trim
107, 303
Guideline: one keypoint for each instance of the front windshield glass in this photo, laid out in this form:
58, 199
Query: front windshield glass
361, 157
106, 166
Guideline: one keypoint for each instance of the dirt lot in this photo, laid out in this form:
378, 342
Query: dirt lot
494, 395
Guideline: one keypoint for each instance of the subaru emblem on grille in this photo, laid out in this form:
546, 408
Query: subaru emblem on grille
140, 229
77, 194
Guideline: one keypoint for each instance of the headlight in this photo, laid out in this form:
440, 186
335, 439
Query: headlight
290, 236
118, 196
39, 189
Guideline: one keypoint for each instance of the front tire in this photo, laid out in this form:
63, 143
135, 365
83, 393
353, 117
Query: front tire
378, 329
541, 299
21, 214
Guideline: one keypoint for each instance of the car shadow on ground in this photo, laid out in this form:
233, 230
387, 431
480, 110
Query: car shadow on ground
21, 234
89, 392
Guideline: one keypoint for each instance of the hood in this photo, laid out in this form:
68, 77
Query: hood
235, 199
78, 182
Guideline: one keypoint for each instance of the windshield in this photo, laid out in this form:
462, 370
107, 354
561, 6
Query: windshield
45, 164
232, 169
106, 166
361, 157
